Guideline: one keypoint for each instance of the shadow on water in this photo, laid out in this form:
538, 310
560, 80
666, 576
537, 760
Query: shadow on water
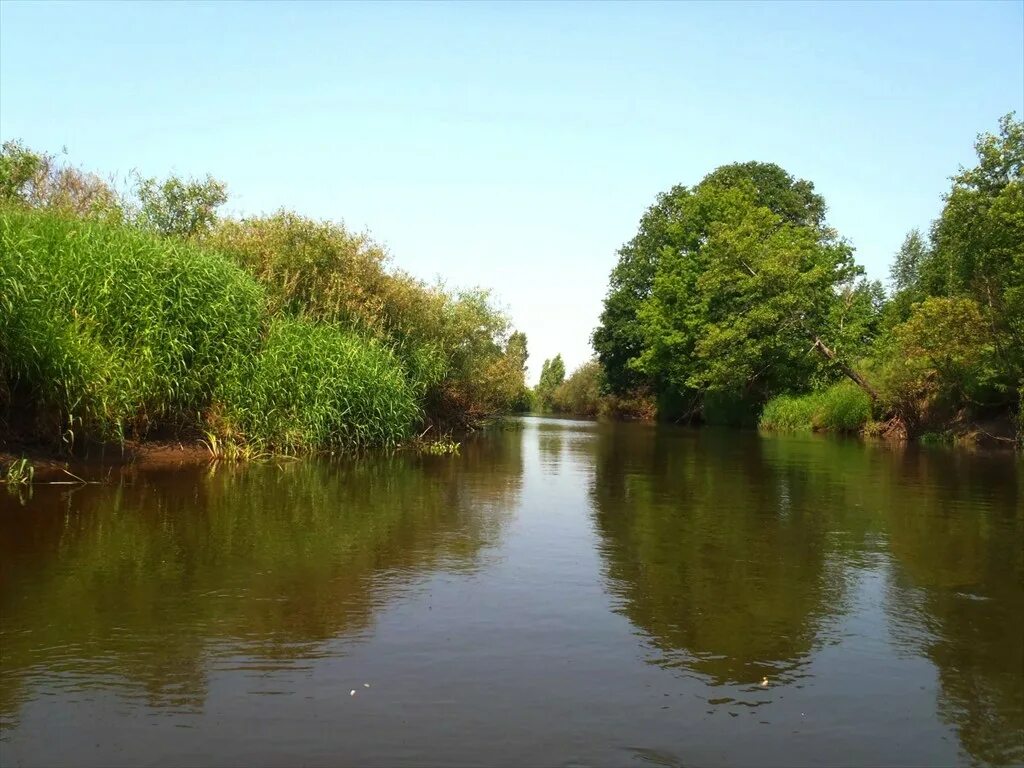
141, 585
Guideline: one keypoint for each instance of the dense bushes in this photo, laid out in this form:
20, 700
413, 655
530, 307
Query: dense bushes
455, 347
105, 330
123, 315
316, 385
580, 394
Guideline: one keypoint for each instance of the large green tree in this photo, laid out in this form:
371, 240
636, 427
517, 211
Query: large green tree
978, 242
552, 374
954, 348
728, 285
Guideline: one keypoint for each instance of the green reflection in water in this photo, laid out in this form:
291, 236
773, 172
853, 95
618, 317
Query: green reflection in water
735, 554
140, 584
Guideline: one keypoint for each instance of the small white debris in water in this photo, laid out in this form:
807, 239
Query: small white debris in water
366, 685
352, 692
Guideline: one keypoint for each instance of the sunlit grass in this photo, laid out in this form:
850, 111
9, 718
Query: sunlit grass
107, 331
843, 407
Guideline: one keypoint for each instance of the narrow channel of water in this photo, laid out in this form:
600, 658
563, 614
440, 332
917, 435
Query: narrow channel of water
568, 593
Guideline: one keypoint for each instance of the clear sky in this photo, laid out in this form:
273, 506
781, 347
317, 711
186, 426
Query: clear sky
515, 146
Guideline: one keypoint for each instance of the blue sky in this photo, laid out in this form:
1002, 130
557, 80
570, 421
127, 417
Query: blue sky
515, 146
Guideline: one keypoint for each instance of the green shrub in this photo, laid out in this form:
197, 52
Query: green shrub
316, 386
456, 347
789, 413
106, 331
843, 407
580, 394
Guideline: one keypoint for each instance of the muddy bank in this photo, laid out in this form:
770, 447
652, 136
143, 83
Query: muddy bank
98, 461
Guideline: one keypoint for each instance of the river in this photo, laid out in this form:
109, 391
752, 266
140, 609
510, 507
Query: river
564, 593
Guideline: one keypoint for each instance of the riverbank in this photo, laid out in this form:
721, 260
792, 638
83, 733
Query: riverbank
273, 334
101, 459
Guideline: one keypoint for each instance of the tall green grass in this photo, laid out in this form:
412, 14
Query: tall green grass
843, 407
316, 385
105, 330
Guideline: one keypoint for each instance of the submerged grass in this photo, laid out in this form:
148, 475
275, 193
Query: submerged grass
843, 407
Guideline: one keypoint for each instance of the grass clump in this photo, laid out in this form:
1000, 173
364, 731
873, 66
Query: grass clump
20, 472
108, 330
317, 386
843, 407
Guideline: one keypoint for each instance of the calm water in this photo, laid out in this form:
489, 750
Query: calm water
567, 594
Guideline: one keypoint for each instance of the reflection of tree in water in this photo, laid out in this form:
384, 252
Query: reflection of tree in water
549, 443
956, 524
143, 583
562, 441
717, 557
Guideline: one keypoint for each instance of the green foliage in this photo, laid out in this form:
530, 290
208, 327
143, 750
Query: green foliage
737, 312
552, 374
114, 323
954, 346
716, 302
179, 207
105, 329
314, 386
442, 447
723, 290
978, 242
940, 359
667, 256
789, 413
455, 346
20, 472
618, 339
516, 355
580, 394
843, 407
19, 166
41, 180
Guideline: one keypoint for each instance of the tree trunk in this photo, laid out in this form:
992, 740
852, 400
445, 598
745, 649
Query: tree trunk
852, 374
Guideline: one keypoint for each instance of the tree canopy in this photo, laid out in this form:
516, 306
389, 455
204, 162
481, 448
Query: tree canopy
727, 285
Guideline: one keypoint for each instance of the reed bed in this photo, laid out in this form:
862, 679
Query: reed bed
843, 407
107, 331
318, 385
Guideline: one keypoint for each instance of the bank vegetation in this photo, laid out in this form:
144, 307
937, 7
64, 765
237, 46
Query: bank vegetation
144, 313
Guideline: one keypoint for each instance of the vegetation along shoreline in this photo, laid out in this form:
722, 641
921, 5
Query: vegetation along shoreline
144, 315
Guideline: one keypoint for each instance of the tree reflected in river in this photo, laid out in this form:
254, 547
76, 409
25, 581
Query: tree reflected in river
724, 563
737, 555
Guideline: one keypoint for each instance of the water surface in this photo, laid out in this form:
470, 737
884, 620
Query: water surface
565, 594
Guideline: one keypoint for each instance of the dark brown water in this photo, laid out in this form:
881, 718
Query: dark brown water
567, 594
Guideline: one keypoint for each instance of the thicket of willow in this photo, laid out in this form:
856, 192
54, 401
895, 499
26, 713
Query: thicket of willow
126, 315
